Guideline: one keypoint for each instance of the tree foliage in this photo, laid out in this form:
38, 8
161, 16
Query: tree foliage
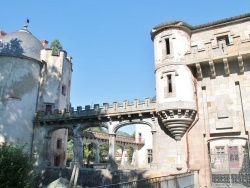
16, 167
56, 47
69, 152
104, 149
89, 152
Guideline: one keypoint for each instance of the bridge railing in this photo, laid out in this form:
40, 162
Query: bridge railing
183, 180
106, 110
101, 135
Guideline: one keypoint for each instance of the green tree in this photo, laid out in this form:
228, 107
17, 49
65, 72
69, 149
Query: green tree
89, 152
16, 167
130, 154
70, 153
56, 47
104, 149
131, 150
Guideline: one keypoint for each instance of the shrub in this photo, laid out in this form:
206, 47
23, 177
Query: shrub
15, 167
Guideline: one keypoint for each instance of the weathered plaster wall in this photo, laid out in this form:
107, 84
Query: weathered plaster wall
146, 136
19, 85
59, 150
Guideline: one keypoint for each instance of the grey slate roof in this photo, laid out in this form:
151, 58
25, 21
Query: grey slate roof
21, 43
164, 25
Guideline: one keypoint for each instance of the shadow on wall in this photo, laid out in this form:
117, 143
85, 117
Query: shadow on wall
167, 132
13, 47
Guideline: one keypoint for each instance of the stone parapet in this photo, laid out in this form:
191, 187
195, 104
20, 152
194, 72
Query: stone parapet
216, 52
126, 109
119, 138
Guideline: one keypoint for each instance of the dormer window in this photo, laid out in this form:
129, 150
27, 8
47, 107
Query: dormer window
223, 38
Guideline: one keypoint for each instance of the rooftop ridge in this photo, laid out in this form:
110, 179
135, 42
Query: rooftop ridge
161, 26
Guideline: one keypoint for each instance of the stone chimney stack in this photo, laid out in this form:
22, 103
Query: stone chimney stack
44, 43
2, 33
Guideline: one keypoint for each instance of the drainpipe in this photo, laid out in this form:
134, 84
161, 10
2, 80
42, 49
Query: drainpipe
195, 121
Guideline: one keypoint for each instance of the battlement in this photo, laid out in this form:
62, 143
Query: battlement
137, 107
60, 53
213, 50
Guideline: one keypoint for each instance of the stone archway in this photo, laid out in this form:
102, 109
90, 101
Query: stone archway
56, 144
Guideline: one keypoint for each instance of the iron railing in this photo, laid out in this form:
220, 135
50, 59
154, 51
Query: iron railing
230, 170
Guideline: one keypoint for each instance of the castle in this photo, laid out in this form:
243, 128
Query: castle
199, 120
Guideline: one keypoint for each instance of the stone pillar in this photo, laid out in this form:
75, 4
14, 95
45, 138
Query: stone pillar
97, 150
136, 156
123, 157
196, 177
78, 151
48, 150
153, 164
179, 165
112, 148
112, 165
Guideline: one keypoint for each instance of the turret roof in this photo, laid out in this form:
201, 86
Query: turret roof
21, 43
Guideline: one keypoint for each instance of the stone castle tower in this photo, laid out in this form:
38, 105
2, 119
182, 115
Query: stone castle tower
175, 84
31, 79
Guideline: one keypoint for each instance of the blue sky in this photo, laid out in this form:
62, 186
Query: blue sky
109, 40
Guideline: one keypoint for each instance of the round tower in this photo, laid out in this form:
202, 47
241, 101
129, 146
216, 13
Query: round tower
175, 90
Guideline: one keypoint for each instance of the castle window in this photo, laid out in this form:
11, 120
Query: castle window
169, 85
59, 144
48, 107
57, 161
220, 153
150, 155
167, 46
169, 82
139, 137
223, 38
64, 90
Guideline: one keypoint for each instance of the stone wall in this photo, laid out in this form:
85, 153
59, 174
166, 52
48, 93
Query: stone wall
94, 178
89, 177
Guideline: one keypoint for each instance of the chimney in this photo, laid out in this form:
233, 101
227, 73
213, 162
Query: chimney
2, 33
44, 43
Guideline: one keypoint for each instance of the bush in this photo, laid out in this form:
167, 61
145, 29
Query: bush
15, 167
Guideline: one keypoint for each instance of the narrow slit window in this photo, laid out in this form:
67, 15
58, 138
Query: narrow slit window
150, 155
59, 144
64, 90
169, 79
167, 46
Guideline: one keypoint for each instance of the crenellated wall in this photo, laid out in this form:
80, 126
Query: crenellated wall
126, 109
